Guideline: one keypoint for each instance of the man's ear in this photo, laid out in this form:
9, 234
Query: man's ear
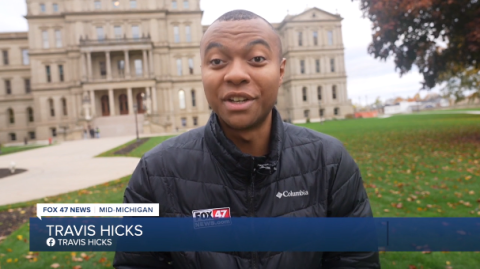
282, 70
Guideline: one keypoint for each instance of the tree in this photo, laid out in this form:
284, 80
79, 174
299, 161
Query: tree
440, 37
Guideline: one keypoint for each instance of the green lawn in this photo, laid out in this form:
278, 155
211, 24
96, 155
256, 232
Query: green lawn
415, 165
9, 150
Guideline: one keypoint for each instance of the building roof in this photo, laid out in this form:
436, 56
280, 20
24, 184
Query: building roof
14, 35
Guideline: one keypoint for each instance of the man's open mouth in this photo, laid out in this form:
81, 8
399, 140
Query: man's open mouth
238, 100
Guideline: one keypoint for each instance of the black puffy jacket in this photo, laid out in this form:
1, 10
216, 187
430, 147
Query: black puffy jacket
203, 169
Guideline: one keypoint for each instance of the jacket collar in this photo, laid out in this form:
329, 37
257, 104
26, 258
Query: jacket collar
237, 162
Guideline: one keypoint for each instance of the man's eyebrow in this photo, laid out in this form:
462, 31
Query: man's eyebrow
259, 42
212, 45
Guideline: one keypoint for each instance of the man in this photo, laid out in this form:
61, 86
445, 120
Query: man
245, 155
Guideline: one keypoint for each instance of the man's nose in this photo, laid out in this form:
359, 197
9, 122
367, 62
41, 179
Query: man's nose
237, 73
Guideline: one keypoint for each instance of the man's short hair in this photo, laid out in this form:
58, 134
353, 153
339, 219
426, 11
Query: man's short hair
243, 15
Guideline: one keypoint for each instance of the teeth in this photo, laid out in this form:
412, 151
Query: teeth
238, 99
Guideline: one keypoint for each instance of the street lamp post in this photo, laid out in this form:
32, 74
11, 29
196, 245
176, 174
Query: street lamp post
135, 109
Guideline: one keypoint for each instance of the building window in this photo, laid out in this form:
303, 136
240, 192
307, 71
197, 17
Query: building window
46, 44
317, 65
195, 121
60, 72
179, 67
5, 57
304, 94
118, 32
334, 92
54, 132
306, 113
332, 65
138, 67
51, 107
188, 34
133, 3
13, 137
32, 135
194, 99
121, 67
135, 32
184, 122
43, 9
185, 4
174, 4
98, 5
336, 111
300, 38
315, 38
47, 72
302, 66
181, 99
28, 89
25, 58
103, 69
100, 33
321, 112
11, 116
319, 92
176, 35
30, 114
190, 66
8, 86
64, 107
58, 38
330, 37
115, 4
55, 7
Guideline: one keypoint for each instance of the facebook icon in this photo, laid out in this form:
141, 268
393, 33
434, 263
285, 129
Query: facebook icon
50, 242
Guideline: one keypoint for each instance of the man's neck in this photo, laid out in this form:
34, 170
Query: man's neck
254, 142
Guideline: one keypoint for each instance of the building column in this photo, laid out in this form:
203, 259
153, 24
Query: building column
84, 67
92, 102
89, 66
145, 64
154, 100
150, 61
130, 101
109, 67
127, 64
149, 100
111, 102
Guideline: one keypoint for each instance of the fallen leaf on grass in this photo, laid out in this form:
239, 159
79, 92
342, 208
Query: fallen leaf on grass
77, 267
412, 267
19, 237
55, 265
75, 259
426, 252
9, 250
102, 260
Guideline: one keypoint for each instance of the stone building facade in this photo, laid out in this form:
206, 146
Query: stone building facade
111, 63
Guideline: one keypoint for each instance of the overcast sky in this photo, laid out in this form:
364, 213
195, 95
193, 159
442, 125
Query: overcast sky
368, 78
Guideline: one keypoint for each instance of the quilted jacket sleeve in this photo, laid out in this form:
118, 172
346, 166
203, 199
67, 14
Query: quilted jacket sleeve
137, 191
347, 198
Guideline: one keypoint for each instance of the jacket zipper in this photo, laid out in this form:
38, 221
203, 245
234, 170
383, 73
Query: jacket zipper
252, 212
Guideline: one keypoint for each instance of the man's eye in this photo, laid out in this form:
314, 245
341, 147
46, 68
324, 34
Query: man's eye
258, 59
216, 61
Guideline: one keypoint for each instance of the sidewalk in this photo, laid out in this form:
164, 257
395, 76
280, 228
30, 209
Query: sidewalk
62, 168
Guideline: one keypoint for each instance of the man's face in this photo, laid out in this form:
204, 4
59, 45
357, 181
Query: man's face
241, 71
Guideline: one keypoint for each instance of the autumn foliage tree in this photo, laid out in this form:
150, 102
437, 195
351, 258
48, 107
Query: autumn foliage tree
440, 37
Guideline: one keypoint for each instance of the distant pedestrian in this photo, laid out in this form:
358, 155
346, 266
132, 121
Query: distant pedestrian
92, 132
97, 132
85, 134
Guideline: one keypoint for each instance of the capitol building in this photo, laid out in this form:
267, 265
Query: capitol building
102, 63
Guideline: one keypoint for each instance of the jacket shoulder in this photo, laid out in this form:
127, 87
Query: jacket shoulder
331, 147
175, 148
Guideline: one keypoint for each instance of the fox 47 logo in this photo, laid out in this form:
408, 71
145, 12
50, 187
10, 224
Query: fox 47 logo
211, 217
